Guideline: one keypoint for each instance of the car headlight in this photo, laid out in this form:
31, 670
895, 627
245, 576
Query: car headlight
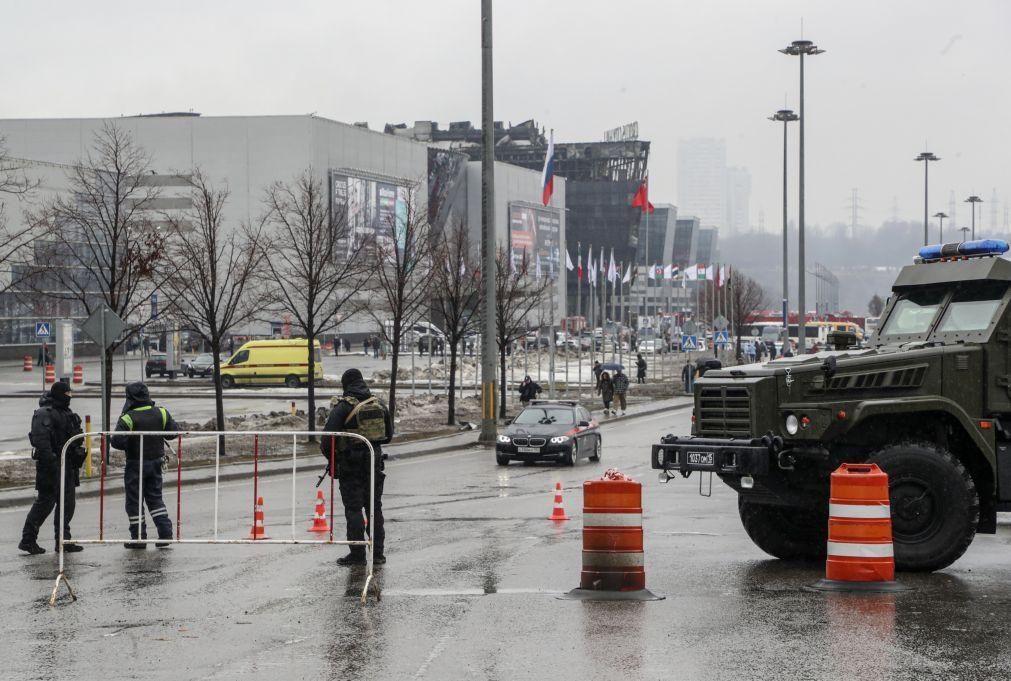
560, 440
505, 439
792, 424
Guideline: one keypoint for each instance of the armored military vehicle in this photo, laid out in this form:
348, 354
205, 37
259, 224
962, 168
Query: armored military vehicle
929, 402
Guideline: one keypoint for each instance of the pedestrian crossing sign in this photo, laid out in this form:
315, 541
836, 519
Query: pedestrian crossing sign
689, 343
43, 330
721, 337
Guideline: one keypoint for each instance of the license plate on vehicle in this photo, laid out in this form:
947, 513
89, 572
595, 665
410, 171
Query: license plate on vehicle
701, 458
528, 450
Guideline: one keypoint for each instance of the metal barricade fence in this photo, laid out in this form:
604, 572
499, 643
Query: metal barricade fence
104, 437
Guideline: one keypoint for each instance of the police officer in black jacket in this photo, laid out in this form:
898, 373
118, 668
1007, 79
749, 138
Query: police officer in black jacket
141, 414
52, 425
351, 458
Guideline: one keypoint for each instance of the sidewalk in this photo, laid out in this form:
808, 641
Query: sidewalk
310, 460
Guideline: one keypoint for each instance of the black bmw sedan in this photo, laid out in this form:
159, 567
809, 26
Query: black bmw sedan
550, 430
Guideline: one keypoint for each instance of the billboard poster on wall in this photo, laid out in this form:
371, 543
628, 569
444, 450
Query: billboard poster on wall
537, 232
376, 210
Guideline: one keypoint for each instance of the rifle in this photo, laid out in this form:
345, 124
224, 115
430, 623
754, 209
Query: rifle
322, 477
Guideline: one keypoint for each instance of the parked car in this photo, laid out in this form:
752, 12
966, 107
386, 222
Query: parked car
268, 362
202, 365
157, 363
550, 430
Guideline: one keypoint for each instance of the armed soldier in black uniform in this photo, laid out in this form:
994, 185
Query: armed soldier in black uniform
52, 425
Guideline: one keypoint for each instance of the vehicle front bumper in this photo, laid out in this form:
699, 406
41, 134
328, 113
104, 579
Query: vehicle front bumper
548, 452
722, 456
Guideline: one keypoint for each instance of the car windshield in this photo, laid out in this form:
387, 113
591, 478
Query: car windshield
972, 310
914, 312
204, 358
540, 416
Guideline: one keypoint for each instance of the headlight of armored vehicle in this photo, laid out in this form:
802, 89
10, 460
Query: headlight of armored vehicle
792, 424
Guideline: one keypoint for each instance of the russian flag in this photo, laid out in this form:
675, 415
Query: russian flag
548, 174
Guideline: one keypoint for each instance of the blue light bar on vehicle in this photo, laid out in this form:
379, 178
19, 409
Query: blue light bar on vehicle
966, 249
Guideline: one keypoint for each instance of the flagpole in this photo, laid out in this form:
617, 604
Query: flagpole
579, 316
551, 340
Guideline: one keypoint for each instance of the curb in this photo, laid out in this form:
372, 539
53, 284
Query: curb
270, 469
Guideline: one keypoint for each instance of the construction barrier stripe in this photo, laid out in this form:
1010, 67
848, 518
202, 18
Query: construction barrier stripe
854, 550
859, 510
612, 519
612, 559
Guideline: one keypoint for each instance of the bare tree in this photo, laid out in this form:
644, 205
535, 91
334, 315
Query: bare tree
403, 273
315, 271
15, 242
746, 297
518, 295
209, 289
457, 294
99, 244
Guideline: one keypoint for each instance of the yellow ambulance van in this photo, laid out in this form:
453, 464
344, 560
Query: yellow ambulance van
271, 362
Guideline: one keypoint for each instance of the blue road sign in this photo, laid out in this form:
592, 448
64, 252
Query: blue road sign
721, 337
43, 330
689, 343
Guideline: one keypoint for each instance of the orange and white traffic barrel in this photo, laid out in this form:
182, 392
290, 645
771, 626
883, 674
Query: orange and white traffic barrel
78, 374
613, 555
28, 363
860, 552
50, 373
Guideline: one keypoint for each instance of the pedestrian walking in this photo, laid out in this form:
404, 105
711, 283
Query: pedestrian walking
687, 377
528, 390
605, 388
620, 381
53, 423
141, 415
597, 373
366, 345
357, 411
640, 369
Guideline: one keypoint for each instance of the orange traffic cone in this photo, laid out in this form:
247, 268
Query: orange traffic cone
319, 523
258, 531
558, 513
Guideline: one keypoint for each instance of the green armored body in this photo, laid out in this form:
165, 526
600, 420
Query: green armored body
930, 403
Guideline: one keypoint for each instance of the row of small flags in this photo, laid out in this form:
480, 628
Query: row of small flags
718, 274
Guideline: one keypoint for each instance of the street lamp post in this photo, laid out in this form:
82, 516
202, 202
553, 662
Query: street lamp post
489, 384
787, 116
940, 226
801, 48
963, 230
926, 157
973, 200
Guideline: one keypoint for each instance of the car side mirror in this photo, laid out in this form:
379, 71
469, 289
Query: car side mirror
584, 424
508, 422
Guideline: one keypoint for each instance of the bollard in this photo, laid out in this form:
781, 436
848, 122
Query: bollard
613, 554
87, 445
860, 550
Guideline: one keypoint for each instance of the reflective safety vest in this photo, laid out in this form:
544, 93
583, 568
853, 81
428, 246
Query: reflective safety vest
128, 420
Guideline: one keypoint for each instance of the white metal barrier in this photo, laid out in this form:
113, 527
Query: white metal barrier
104, 436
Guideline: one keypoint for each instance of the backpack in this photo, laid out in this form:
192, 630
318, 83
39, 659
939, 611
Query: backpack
367, 418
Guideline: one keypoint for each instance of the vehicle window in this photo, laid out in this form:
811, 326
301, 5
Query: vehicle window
317, 355
972, 310
239, 357
584, 415
540, 416
913, 312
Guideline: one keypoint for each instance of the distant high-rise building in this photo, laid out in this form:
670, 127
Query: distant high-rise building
707, 251
738, 201
702, 179
686, 233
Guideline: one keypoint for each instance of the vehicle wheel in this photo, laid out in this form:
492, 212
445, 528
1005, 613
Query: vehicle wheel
785, 532
570, 457
147, 373
596, 450
501, 460
291, 381
935, 506
172, 375
190, 373
227, 382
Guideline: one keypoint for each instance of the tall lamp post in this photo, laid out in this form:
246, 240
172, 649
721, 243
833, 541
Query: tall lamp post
787, 116
489, 345
973, 200
964, 231
940, 226
926, 157
800, 48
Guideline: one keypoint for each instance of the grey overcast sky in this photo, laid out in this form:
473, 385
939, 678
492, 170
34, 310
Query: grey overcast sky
898, 75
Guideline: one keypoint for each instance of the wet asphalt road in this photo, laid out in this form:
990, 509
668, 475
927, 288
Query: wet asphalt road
469, 592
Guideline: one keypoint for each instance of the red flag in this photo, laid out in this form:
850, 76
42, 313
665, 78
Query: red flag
641, 199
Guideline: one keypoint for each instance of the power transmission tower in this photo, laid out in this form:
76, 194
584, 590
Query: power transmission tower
855, 207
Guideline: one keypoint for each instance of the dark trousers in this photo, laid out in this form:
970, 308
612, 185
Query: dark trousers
48, 500
621, 400
152, 499
354, 488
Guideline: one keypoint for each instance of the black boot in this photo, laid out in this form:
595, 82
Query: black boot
351, 559
31, 547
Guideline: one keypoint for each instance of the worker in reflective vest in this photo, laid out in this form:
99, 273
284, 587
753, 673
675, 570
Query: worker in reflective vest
141, 414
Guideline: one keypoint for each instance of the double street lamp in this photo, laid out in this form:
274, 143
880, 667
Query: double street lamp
801, 48
973, 200
940, 226
926, 157
787, 116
